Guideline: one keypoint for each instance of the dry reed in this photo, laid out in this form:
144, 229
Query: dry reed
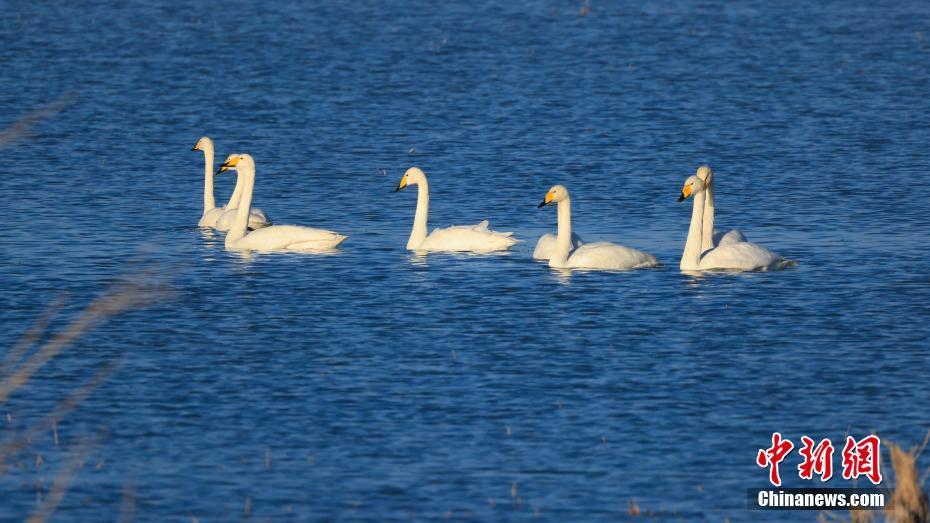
908, 503
28, 355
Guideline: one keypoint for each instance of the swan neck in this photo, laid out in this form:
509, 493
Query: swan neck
209, 202
418, 234
563, 241
238, 230
691, 257
707, 239
236, 195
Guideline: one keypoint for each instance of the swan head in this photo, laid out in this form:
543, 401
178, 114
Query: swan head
693, 185
413, 176
556, 194
705, 174
237, 161
203, 144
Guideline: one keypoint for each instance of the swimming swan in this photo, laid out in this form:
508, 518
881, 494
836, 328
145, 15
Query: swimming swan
275, 237
711, 238
462, 238
740, 256
221, 218
599, 255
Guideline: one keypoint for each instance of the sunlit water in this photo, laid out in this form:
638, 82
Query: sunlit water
385, 386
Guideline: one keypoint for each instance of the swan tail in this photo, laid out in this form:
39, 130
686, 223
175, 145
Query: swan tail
484, 226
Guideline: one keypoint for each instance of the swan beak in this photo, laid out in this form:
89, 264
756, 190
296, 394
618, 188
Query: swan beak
546, 201
685, 193
402, 184
194, 148
230, 162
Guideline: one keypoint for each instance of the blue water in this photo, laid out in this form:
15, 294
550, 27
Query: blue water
385, 386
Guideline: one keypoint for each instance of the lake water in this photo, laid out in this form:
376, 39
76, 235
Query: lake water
377, 385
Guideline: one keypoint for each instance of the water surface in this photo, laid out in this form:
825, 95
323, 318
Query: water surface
378, 385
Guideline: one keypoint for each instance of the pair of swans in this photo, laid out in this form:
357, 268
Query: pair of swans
567, 251
564, 251
222, 218
271, 237
706, 249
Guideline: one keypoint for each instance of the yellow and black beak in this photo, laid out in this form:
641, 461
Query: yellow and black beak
195, 148
685, 193
228, 164
546, 201
402, 184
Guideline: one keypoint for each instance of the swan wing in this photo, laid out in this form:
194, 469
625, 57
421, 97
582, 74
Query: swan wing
480, 227
546, 245
468, 238
289, 237
606, 255
731, 236
257, 219
741, 256
210, 217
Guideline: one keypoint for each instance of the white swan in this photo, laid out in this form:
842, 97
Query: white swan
222, 218
461, 238
710, 237
741, 256
275, 237
599, 255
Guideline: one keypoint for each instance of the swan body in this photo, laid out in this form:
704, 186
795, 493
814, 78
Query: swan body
461, 238
257, 219
598, 255
210, 217
732, 255
289, 238
606, 255
711, 237
467, 238
545, 246
222, 218
274, 237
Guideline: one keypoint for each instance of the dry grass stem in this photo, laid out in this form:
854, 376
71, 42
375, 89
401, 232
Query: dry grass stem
74, 399
61, 483
35, 331
23, 127
908, 501
120, 298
